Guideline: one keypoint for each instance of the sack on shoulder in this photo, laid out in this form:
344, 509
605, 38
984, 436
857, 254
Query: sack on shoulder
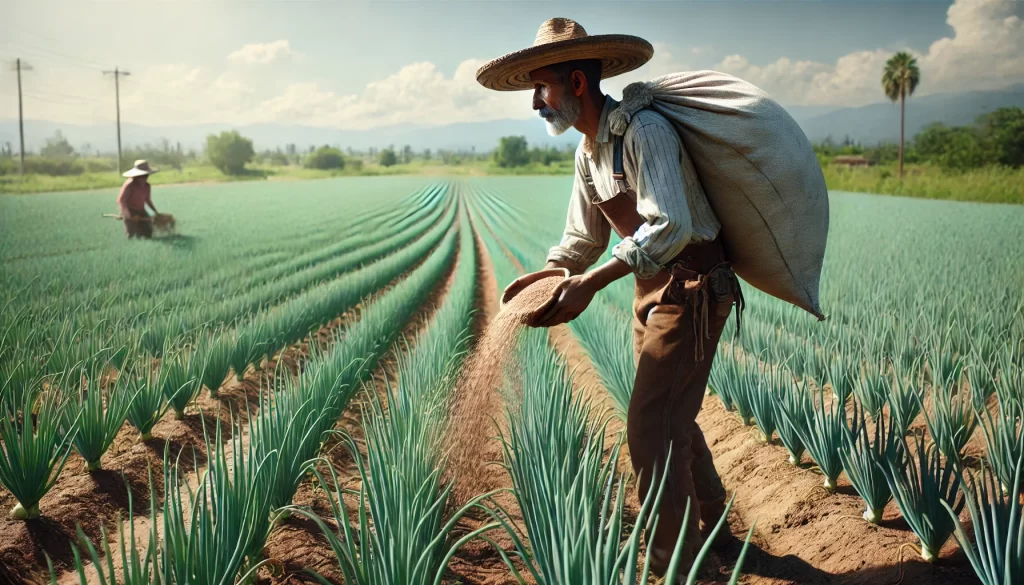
759, 171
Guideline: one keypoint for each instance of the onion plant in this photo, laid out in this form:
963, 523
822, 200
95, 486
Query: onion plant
951, 422
982, 381
603, 334
842, 372
823, 438
571, 499
720, 381
734, 375
216, 351
98, 420
150, 403
863, 454
249, 348
365, 554
871, 387
923, 488
945, 366
292, 426
1004, 438
793, 411
179, 379
762, 400
36, 446
997, 550
905, 398
214, 533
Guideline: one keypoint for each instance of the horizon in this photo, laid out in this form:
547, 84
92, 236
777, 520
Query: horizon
280, 63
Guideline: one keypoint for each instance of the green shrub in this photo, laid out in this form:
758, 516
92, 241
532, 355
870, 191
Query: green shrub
229, 152
325, 157
387, 158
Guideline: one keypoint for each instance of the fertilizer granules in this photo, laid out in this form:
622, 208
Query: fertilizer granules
470, 425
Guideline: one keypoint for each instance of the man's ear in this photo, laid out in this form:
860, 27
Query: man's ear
579, 83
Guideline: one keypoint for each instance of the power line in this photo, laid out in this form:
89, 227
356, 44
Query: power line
52, 57
60, 42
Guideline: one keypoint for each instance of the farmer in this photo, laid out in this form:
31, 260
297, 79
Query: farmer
643, 186
135, 195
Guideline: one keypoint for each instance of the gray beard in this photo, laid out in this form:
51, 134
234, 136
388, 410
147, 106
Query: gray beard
558, 121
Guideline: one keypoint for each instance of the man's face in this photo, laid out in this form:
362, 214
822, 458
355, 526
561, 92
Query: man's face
554, 101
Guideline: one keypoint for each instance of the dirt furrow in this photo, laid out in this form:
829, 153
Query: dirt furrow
298, 544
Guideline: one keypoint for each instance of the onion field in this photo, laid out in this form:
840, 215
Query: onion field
263, 397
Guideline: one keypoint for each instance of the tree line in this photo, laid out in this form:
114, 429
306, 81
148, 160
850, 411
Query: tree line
995, 139
230, 152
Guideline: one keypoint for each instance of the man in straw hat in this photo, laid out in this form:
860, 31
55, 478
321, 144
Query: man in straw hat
135, 195
644, 186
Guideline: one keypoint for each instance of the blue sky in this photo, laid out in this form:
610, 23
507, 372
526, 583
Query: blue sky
363, 64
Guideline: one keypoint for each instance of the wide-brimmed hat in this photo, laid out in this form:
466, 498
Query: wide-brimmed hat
560, 40
141, 168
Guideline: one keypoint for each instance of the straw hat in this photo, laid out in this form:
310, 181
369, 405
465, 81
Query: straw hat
141, 168
560, 40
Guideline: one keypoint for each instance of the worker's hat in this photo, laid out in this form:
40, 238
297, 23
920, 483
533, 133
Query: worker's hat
141, 168
559, 40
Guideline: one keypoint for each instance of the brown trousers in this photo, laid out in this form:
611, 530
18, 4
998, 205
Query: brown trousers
667, 395
678, 320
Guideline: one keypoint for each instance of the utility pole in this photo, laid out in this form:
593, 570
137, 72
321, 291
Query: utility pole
117, 73
19, 66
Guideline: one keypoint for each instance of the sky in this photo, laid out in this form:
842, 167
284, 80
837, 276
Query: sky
361, 65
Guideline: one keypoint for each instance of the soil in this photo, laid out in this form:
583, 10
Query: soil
803, 534
477, 562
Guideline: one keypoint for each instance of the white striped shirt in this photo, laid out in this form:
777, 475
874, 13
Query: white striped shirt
669, 197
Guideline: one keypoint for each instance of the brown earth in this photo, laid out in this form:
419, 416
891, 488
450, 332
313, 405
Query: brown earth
99, 500
478, 563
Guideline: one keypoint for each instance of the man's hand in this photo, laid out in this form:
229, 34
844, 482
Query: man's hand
569, 299
526, 280
573, 296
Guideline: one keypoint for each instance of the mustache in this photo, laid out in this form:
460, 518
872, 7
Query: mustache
547, 112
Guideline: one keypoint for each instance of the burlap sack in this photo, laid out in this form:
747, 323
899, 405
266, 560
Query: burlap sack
759, 171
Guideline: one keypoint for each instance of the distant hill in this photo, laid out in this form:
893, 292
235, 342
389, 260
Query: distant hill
881, 122
868, 124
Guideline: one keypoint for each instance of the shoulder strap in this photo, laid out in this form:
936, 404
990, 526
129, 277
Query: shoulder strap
618, 169
589, 180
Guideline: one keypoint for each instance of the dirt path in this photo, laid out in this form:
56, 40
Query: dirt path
478, 563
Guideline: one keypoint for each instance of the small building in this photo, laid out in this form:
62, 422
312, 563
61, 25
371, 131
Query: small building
851, 160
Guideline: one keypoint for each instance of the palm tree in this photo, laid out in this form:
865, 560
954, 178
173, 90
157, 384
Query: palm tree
899, 80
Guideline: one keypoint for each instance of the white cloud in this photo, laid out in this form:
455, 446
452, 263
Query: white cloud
263, 53
417, 94
986, 51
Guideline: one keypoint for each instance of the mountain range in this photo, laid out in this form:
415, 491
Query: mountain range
866, 124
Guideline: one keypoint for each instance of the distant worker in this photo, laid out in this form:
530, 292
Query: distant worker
642, 185
135, 195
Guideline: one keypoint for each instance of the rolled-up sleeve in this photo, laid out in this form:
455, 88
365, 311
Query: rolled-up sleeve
586, 230
661, 200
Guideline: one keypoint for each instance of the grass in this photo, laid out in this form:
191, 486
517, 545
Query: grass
988, 184
37, 183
